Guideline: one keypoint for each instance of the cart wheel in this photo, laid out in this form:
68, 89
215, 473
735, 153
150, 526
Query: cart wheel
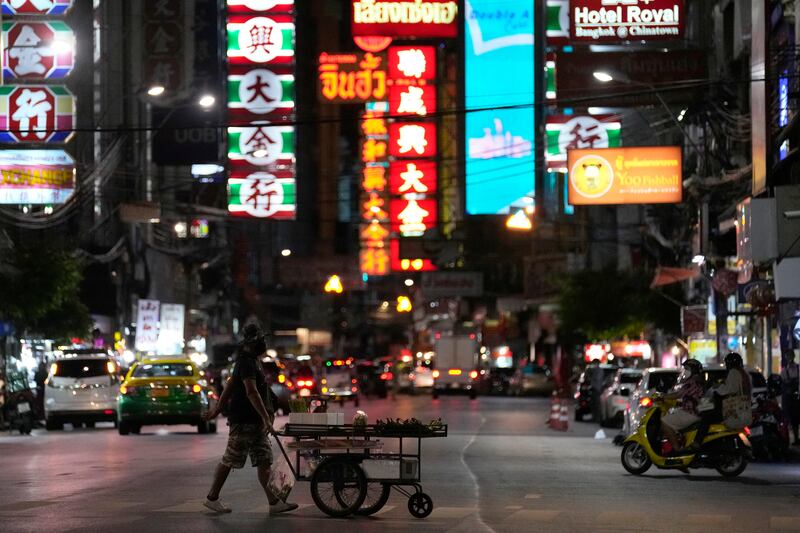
420, 505
338, 487
377, 496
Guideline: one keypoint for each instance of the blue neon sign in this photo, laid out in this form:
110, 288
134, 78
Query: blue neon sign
499, 95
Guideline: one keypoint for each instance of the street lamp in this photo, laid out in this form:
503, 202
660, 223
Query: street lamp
334, 285
409, 282
286, 252
404, 304
206, 101
156, 90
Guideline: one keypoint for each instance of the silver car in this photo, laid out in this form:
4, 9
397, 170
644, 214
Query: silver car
653, 380
615, 398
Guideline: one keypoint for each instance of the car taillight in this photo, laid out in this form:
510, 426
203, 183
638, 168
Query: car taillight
386, 376
473, 374
305, 383
196, 388
435, 374
353, 381
354, 389
108, 412
646, 402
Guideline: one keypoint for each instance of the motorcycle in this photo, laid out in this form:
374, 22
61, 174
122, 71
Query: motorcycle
723, 449
769, 432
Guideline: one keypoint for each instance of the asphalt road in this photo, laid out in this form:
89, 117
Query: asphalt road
501, 469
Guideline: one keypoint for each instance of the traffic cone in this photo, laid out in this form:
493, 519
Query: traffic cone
563, 418
555, 410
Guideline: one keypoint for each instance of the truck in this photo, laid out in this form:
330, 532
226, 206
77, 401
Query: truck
456, 363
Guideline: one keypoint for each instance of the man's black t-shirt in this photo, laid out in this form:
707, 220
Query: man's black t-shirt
241, 410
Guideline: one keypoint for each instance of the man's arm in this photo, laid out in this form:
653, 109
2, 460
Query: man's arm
223, 399
257, 402
733, 382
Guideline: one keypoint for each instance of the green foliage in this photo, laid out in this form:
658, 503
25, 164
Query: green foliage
609, 305
40, 292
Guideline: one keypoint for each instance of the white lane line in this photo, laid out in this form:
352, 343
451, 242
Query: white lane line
709, 519
791, 523
532, 496
452, 512
531, 515
513, 507
475, 484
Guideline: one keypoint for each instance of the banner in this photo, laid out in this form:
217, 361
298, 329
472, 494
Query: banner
147, 326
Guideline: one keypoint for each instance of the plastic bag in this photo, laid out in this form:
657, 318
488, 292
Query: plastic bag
281, 479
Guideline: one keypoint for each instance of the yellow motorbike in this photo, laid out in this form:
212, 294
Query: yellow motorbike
723, 449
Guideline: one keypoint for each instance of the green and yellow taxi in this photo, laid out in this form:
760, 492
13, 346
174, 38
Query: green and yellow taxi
164, 391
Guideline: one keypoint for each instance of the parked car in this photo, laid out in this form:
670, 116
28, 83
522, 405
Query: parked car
371, 379
422, 379
500, 380
532, 379
81, 388
584, 396
339, 382
304, 382
164, 391
653, 380
615, 398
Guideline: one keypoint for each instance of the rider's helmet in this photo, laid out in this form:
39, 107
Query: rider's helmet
775, 385
733, 360
694, 366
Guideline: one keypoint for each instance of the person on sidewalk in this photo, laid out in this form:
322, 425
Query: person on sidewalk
250, 420
790, 400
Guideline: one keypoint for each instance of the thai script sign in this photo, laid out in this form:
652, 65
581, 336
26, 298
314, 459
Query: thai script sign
405, 18
641, 175
352, 78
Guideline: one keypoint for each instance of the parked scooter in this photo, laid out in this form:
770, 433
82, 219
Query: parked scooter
723, 449
769, 432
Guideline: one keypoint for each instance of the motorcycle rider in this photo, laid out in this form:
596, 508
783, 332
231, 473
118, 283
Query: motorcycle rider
737, 383
688, 390
790, 400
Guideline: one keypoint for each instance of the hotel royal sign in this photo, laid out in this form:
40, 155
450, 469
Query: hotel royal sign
405, 18
622, 20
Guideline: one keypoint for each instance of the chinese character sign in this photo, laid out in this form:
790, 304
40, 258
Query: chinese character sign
412, 62
262, 195
260, 6
260, 40
37, 50
412, 177
412, 139
411, 217
259, 92
36, 113
568, 132
412, 100
36, 7
352, 77
147, 325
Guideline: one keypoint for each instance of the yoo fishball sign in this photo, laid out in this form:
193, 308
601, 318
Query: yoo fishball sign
626, 20
611, 176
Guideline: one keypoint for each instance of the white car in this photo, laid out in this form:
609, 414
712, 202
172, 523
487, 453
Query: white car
422, 378
653, 380
615, 398
81, 388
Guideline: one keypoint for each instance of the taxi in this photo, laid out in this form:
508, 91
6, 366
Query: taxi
164, 391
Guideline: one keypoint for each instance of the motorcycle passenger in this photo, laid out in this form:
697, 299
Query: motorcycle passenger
790, 400
737, 387
688, 390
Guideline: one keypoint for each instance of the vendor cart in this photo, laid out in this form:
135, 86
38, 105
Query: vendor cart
349, 471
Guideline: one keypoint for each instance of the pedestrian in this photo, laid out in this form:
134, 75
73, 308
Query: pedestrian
250, 418
790, 400
40, 376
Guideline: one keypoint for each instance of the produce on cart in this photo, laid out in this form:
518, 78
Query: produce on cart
347, 466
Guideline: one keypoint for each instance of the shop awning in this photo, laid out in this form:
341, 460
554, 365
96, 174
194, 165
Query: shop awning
669, 275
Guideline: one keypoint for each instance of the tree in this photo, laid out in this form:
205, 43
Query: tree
607, 304
40, 293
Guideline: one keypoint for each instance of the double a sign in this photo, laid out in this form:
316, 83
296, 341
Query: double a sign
626, 20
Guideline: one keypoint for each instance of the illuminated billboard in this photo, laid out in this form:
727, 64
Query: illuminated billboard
405, 18
499, 97
622, 20
610, 176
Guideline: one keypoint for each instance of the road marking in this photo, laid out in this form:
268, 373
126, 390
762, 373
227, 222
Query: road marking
25, 505
513, 507
621, 518
264, 509
709, 519
785, 522
452, 512
534, 516
532, 496
385, 510
475, 485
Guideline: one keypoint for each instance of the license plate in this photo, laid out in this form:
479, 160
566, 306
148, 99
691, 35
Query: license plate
756, 431
159, 393
23, 407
